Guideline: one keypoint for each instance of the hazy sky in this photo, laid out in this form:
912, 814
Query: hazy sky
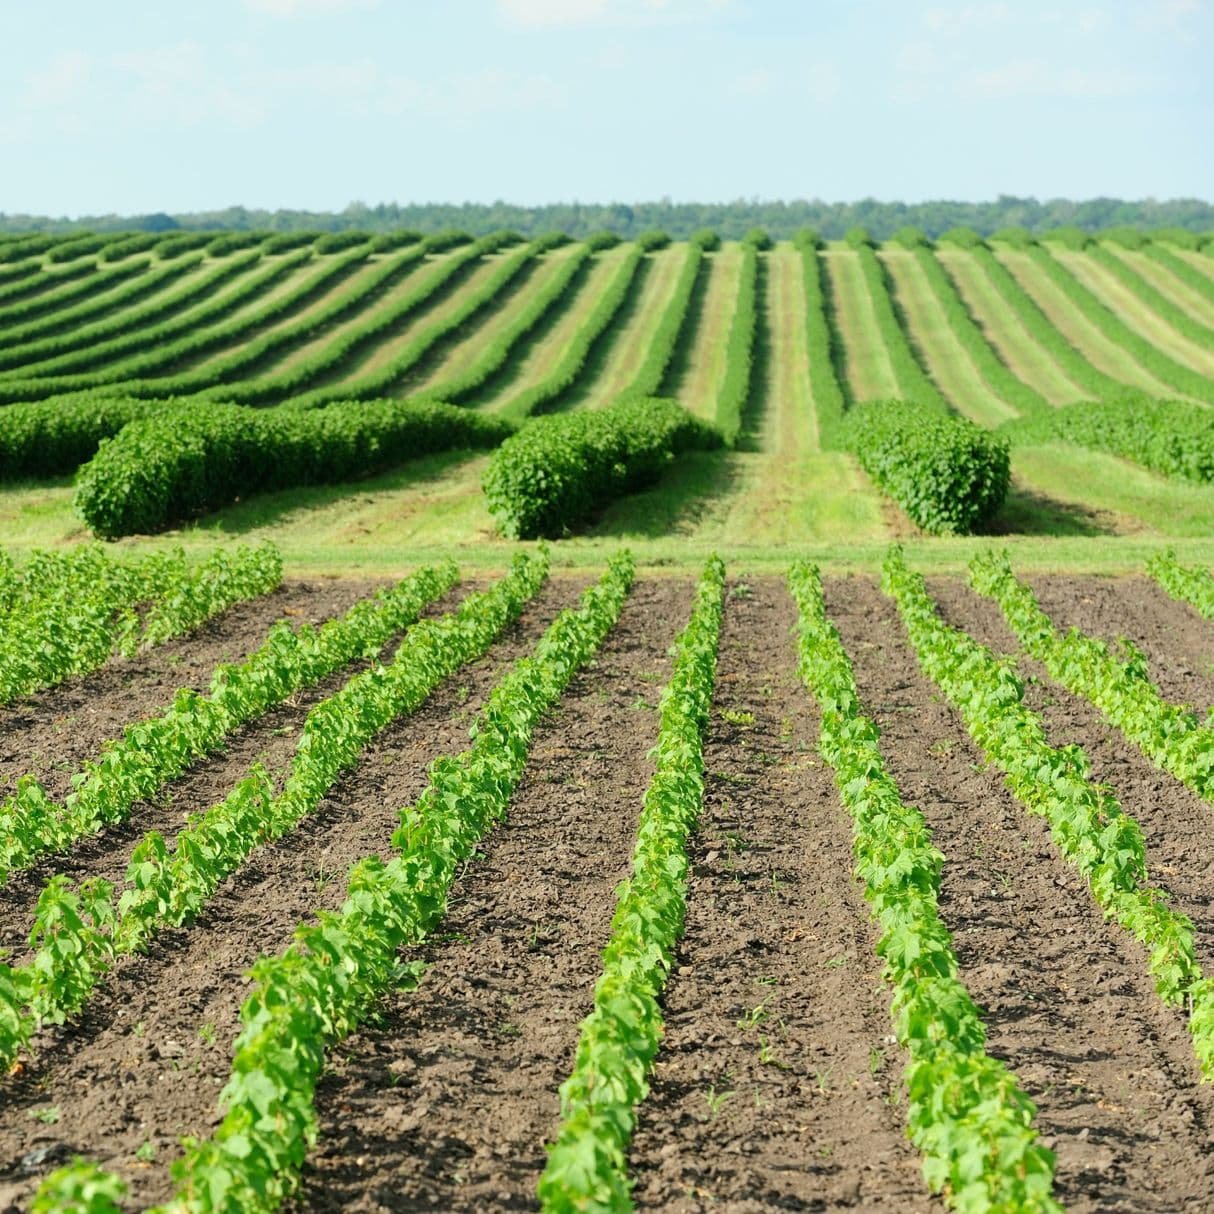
146, 105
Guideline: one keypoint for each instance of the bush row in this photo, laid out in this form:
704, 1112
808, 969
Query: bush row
80, 287
23, 286
949, 475
550, 476
661, 342
1171, 437
826, 383
734, 392
1181, 319
54, 437
1190, 275
179, 463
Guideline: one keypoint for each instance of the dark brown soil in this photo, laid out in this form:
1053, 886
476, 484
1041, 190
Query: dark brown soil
1177, 824
1067, 998
52, 733
1179, 644
146, 1060
447, 1103
774, 1086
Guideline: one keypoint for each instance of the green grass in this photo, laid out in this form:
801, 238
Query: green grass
869, 372
1166, 282
698, 368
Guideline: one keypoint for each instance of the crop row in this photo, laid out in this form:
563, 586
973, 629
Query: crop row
1087, 824
317, 992
979, 1145
1190, 275
587, 1165
1005, 385
16, 287
827, 384
662, 341
77, 934
180, 462
734, 391
1172, 736
572, 359
154, 751
1171, 437
79, 291
1187, 584
86, 609
1164, 368
1179, 318
550, 476
493, 356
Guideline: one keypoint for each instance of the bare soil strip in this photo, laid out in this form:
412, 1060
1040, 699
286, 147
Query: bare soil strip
148, 1058
1067, 999
774, 1087
50, 734
1177, 823
446, 1104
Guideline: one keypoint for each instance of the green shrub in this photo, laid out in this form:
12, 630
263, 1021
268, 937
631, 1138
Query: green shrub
653, 239
180, 243
54, 437
1181, 238
962, 237
183, 462
949, 475
858, 238
287, 242
546, 479
1017, 237
387, 242
707, 239
758, 238
808, 238
1128, 238
440, 242
234, 242
911, 238
598, 241
1069, 237
338, 242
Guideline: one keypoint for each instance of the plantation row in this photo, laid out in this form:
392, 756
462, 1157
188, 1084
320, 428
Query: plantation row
147, 359
968, 1115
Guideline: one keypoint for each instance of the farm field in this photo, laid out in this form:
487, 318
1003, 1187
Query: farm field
495, 724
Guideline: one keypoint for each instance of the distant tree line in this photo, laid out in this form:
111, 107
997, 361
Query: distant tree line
681, 220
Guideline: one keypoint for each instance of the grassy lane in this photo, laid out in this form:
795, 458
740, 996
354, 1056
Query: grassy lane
868, 367
1137, 313
789, 426
948, 363
1102, 353
457, 358
1167, 283
698, 368
617, 359
1200, 261
448, 300
1011, 341
543, 353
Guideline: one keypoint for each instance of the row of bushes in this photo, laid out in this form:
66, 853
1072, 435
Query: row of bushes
734, 392
1171, 437
1179, 318
79, 285
177, 463
827, 383
949, 475
550, 476
662, 341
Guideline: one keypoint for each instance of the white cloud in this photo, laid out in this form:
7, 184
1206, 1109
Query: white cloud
305, 8
554, 14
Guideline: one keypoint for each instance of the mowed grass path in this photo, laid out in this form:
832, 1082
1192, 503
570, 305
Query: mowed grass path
613, 366
698, 369
946, 360
1020, 351
1137, 313
1167, 283
1103, 354
869, 372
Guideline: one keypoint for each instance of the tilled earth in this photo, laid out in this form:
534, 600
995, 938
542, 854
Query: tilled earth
778, 1086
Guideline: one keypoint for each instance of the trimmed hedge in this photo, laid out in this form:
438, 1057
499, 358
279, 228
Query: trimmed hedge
653, 239
946, 473
552, 474
180, 463
54, 437
707, 239
1171, 437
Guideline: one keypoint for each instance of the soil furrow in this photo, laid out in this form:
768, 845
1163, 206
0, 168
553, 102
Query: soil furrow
446, 1104
772, 1089
1177, 824
1067, 998
52, 733
146, 1060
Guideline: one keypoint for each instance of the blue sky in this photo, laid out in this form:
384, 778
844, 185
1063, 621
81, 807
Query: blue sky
142, 105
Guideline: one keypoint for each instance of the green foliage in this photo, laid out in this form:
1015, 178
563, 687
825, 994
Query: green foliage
911, 238
179, 463
1172, 736
1017, 237
1128, 238
54, 437
1185, 583
587, 1165
979, 1145
1171, 437
572, 359
1088, 826
26, 246
1189, 274
823, 347
287, 242
1162, 366
652, 240
234, 242
441, 242
734, 392
550, 476
1006, 386
70, 250
596, 242
1069, 237
23, 286
19, 271
662, 340
707, 239
1182, 238
1181, 319
962, 237
387, 242
807, 238
180, 243
758, 238
913, 381
1043, 332
337, 242
80, 1188
82, 285
140, 242
858, 237
949, 475
327, 982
